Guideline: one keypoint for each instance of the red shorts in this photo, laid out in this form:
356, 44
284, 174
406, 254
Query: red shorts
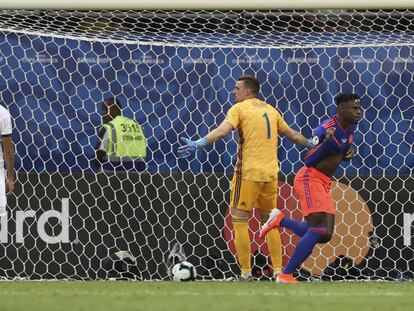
314, 191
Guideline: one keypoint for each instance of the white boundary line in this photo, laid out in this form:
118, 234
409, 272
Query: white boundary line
211, 46
252, 293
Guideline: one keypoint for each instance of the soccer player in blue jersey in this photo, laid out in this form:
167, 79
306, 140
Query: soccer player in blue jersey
333, 139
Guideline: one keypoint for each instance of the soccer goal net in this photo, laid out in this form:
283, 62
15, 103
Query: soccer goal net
173, 72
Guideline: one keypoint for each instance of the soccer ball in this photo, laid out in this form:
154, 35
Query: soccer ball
183, 272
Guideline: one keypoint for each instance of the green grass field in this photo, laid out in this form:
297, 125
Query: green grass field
211, 296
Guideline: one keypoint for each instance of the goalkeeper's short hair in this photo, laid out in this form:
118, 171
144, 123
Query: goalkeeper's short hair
251, 83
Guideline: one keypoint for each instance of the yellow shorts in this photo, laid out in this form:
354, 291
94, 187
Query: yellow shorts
246, 194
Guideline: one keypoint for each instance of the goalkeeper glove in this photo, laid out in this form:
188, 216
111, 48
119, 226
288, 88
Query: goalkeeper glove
190, 146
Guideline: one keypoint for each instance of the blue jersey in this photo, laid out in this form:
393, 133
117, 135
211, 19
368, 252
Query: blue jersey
339, 143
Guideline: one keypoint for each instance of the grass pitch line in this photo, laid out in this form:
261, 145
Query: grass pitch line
276, 293
284, 293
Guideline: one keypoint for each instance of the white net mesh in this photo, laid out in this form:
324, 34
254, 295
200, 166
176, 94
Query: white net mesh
221, 28
173, 72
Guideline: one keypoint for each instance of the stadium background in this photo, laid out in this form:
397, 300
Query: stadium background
54, 87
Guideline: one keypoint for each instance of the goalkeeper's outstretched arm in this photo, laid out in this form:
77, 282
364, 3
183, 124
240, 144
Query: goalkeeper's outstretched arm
297, 138
191, 146
218, 133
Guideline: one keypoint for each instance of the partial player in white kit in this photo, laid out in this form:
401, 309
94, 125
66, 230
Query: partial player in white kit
6, 158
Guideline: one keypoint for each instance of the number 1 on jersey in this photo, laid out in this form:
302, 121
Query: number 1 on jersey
267, 124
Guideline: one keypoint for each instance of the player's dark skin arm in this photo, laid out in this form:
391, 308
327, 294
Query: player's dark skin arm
349, 154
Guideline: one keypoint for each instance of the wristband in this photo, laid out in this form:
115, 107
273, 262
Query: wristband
201, 143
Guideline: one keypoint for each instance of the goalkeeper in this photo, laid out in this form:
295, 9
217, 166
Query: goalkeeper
255, 178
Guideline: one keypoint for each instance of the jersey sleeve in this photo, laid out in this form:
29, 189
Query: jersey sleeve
318, 135
101, 137
234, 116
103, 145
281, 123
5, 124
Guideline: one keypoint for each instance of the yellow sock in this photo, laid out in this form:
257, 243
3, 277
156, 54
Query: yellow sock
274, 244
242, 243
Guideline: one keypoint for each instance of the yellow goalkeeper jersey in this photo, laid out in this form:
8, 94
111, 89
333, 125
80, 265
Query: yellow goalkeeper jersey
258, 124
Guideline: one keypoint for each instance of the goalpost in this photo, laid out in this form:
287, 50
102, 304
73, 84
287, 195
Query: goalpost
173, 70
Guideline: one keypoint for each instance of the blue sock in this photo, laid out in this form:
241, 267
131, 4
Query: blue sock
304, 248
298, 227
